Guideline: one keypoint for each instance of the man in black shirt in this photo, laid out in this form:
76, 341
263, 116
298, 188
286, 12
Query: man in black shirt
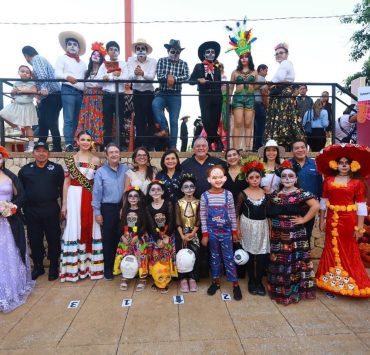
184, 134
43, 185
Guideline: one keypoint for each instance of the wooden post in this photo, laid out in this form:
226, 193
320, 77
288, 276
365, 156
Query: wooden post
129, 27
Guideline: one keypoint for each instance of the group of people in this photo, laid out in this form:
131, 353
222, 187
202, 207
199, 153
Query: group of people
185, 219
259, 110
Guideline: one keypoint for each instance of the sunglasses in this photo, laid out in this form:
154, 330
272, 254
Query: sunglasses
173, 51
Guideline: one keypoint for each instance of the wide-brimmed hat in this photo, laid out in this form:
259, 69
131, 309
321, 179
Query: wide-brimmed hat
359, 153
75, 35
271, 143
209, 45
144, 42
175, 44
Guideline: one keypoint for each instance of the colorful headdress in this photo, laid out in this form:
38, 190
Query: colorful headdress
251, 163
99, 46
187, 177
359, 154
4, 152
287, 164
241, 39
130, 188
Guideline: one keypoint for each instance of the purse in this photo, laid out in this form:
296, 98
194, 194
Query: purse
308, 125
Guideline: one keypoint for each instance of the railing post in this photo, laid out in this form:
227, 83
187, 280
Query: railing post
118, 133
228, 114
333, 114
2, 126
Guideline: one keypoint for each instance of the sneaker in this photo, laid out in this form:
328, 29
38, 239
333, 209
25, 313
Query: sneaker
237, 293
212, 289
193, 285
261, 291
184, 286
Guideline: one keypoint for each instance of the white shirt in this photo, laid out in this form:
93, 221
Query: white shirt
285, 72
149, 68
109, 86
346, 125
67, 66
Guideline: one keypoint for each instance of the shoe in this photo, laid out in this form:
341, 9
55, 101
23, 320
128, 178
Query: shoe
193, 285
212, 289
53, 270
252, 289
69, 148
162, 133
184, 286
261, 291
37, 271
237, 293
108, 275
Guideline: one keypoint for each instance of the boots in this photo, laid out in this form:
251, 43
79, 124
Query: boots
38, 270
53, 270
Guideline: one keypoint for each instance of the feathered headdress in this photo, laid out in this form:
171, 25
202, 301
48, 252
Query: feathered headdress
99, 46
241, 39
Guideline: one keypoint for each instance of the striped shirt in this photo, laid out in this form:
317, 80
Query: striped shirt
42, 69
217, 199
179, 70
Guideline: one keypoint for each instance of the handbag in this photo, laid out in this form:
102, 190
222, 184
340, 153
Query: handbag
308, 125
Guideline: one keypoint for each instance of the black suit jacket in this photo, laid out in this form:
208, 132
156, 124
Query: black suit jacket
199, 73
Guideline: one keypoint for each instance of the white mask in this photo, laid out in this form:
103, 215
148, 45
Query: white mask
72, 47
140, 51
174, 54
210, 54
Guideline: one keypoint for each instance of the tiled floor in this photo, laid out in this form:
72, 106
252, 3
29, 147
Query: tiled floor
202, 325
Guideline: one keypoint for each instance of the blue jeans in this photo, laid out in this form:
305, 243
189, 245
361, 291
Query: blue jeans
171, 101
259, 124
71, 101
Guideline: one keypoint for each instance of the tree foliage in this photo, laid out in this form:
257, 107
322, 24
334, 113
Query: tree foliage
361, 38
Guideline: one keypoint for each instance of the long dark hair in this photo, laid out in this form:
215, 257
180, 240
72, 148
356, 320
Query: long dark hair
91, 64
149, 198
165, 154
150, 168
141, 225
250, 63
277, 159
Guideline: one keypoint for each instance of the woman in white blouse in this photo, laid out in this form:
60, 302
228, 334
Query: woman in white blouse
283, 123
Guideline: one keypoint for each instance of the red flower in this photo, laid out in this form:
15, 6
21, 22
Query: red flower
286, 164
255, 164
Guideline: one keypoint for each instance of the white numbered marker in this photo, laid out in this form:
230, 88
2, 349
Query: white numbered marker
225, 296
127, 302
178, 299
74, 304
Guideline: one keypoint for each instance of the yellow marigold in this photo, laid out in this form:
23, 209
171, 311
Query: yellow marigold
363, 292
350, 292
334, 224
134, 229
336, 208
335, 250
343, 208
333, 165
355, 166
327, 204
337, 260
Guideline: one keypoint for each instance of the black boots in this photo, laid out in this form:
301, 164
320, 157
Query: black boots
53, 270
38, 270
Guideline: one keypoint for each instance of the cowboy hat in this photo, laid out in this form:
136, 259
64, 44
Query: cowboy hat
271, 143
63, 36
143, 42
209, 45
175, 44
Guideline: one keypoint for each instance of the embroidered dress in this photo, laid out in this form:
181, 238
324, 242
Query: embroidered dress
139, 249
91, 113
341, 269
82, 249
15, 276
290, 275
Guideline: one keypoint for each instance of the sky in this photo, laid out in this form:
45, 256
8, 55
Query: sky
319, 48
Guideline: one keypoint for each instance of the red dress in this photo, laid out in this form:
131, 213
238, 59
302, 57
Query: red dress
341, 269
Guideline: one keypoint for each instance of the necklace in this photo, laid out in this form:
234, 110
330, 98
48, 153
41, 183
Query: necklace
288, 190
89, 165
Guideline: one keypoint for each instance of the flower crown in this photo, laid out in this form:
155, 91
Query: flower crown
355, 165
99, 46
251, 164
130, 188
286, 164
156, 181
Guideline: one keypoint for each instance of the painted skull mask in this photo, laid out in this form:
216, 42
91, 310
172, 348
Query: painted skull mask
72, 46
210, 54
141, 51
160, 219
161, 274
131, 219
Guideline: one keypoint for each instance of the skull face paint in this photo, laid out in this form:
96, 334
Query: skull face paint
95, 57
174, 54
131, 219
72, 47
140, 51
161, 274
160, 219
210, 54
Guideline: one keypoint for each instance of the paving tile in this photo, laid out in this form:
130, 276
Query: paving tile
28, 351
86, 350
152, 317
183, 347
311, 317
273, 345
80, 283
365, 337
256, 316
47, 321
100, 319
333, 344
9, 320
354, 312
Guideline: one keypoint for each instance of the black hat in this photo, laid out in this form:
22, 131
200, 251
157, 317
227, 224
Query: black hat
209, 45
40, 144
175, 44
112, 44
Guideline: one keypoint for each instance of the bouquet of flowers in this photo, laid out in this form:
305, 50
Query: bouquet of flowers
7, 209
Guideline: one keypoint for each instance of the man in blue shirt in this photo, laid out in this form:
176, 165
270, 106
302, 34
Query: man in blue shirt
108, 191
308, 177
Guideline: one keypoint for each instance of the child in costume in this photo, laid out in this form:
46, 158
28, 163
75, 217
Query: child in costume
134, 239
253, 224
187, 224
219, 229
22, 112
160, 225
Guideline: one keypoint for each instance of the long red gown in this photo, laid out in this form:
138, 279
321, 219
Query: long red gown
341, 269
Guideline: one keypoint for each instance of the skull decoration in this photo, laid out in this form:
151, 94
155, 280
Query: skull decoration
338, 271
341, 284
333, 283
351, 286
338, 278
331, 275
161, 274
160, 219
326, 279
131, 219
346, 279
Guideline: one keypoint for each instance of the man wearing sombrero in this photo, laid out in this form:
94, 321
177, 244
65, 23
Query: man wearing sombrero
171, 73
342, 212
71, 68
142, 67
205, 74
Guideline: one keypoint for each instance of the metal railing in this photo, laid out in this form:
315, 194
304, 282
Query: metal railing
336, 89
